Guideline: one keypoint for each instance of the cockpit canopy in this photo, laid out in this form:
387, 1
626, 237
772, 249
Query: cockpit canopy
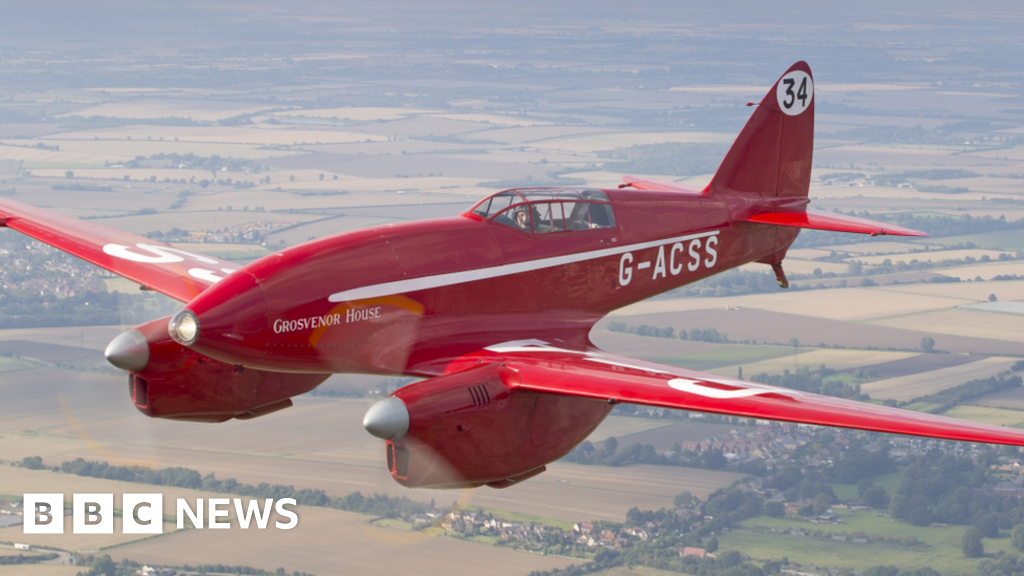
547, 210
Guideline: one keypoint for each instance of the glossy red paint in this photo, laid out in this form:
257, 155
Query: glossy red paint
479, 426
833, 222
494, 306
181, 384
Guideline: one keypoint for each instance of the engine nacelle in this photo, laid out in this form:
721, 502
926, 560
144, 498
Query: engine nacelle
168, 380
476, 427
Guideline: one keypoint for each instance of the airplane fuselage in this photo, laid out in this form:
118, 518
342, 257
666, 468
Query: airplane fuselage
405, 298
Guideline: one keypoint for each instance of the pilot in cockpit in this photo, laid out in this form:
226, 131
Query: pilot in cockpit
521, 219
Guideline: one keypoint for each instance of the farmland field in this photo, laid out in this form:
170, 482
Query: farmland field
924, 383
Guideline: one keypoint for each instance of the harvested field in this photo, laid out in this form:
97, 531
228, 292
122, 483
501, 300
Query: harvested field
646, 347
199, 110
775, 327
492, 119
1007, 239
974, 291
41, 570
251, 135
321, 441
836, 359
314, 547
986, 271
924, 383
858, 304
127, 149
919, 363
623, 426
616, 139
687, 431
961, 322
360, 114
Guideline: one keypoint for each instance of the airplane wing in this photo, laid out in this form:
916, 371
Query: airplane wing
156, 266
596, 374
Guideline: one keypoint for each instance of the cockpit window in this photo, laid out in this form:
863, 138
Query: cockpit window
547, 210
496, 203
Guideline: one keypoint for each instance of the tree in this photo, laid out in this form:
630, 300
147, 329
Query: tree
775, 509
992, 298
971, 543
927, 344
875, 497
70, 174
1017, 537
611, 445
321, 176
712, 545
683, 499
988, 525
291, 178
821, 503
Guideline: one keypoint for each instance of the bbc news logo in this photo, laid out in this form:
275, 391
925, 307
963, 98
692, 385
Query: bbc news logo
144, 513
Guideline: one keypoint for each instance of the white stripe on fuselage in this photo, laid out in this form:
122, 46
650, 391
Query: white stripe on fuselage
452, 278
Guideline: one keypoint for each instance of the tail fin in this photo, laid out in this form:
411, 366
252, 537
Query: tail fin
772, 155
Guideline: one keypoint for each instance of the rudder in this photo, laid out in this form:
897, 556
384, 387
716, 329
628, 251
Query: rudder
772, 155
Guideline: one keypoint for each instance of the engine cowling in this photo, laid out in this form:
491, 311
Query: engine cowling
476, 427
168, 380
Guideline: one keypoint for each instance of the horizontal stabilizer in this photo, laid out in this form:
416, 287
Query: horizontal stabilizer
832, 222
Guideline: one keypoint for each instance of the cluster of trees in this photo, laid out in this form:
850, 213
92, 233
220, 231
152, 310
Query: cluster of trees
816, 381
695, 335
105, 566
951, 489
212, 163
950, 397
857, 268
377, 505
82, 187
734, 282
22, 559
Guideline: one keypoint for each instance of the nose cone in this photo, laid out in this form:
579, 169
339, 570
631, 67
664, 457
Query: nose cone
387, 419
227, 322
129, 351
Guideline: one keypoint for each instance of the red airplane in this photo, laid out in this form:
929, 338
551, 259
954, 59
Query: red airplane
493, 307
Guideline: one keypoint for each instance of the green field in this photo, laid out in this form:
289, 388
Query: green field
891, 482
726, 356
525, 518
1006, 239
939, 548
11, 364
997, 416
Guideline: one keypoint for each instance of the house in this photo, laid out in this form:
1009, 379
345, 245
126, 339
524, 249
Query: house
583, 527
698, 552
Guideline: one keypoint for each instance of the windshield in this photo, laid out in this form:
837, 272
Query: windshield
547, 210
